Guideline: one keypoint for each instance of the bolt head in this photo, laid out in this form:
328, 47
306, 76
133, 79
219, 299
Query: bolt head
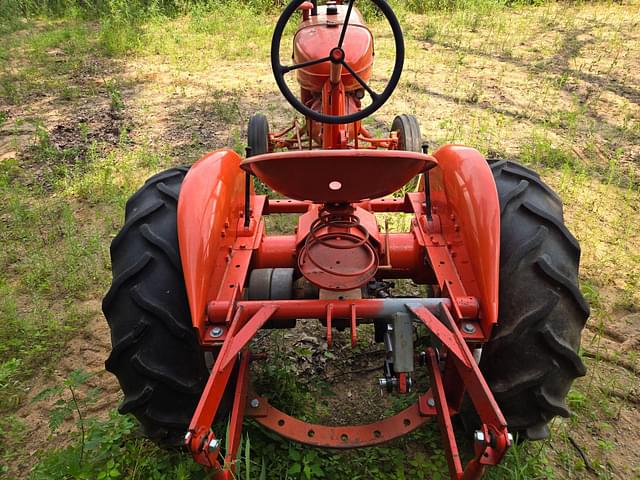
510, 438
214, 444
431, 402
478, 436
468, 327
255, 403
217, 332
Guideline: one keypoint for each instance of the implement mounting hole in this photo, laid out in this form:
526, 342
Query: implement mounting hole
280, 423
344, 437
311, 433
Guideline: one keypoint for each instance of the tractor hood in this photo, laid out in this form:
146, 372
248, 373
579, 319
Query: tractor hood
319, 34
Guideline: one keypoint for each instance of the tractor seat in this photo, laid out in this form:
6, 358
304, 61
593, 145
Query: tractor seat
337, 176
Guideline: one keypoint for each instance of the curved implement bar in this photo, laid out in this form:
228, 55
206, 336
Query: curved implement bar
342, 437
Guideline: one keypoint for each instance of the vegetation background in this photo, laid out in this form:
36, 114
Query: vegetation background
95, 96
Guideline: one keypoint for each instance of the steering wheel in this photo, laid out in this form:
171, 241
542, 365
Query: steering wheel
336, 55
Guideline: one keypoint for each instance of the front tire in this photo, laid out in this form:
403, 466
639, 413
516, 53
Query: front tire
409, 139
408, 130
532, 358
258, 134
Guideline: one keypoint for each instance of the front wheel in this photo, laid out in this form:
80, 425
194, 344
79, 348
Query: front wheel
532, 359
258, 134
407, 129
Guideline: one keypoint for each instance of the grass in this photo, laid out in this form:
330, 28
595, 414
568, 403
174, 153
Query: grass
138, 87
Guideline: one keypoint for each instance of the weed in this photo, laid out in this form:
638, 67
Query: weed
279, 377
112, 450
115, 96
541, 151
120, 29
524, 461
430, 32
65, 408
12, 434
9, 89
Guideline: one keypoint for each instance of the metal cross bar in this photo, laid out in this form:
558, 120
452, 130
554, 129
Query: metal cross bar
444, 334
244, 336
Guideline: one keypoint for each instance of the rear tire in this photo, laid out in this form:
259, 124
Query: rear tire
532, 360
156, 356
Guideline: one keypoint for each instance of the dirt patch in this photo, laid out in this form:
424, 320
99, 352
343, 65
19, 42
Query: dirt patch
86, 352
607, 427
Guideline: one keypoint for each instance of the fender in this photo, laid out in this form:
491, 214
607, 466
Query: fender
464, 177
210, 203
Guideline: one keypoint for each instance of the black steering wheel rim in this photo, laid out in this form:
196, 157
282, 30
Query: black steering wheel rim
280, 70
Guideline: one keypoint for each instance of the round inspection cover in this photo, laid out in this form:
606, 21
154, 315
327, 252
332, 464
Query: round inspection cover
343, 264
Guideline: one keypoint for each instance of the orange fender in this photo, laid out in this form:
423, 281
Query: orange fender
210, 203
465, 180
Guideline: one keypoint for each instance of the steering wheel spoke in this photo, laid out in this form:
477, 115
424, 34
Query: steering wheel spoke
359, 79
345, 25
288, 68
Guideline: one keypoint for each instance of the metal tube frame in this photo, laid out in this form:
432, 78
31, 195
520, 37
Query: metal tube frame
444, 317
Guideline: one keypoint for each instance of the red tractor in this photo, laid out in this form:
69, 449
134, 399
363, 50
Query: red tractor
196, 275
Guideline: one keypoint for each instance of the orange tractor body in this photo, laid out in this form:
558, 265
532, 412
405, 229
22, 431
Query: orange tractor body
338, 247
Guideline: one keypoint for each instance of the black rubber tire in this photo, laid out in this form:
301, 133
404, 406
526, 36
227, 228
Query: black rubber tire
156, 356
410, 140
258, 134
532, 360
409, 137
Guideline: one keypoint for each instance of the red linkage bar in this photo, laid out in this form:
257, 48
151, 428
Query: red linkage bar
354, 326
444, 416
244, 336
329, 319
200, 439
235, 421
445, 335
497, 439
